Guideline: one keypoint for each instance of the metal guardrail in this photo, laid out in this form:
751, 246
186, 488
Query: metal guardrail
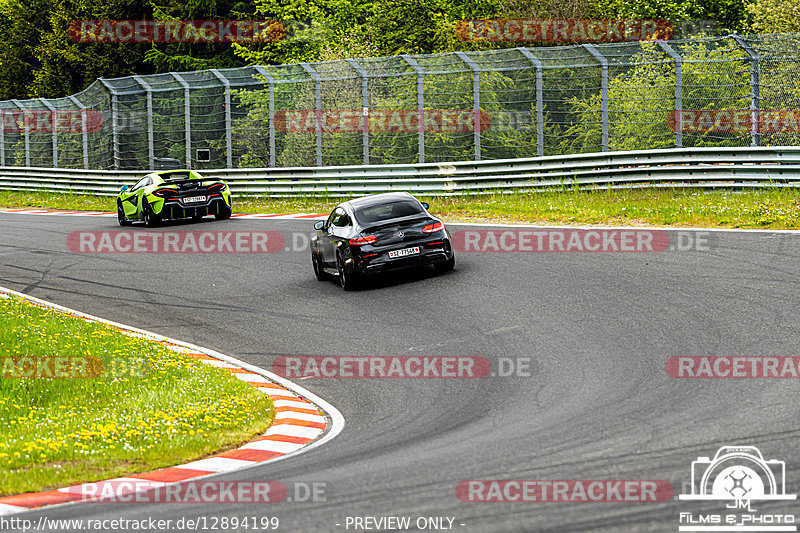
688, 167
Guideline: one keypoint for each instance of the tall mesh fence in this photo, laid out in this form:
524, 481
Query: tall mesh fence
498, 104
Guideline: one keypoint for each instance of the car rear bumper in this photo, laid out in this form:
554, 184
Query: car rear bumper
173, 209
429, 255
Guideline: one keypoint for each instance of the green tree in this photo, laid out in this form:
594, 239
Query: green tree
641, 100
729, 14
774, 16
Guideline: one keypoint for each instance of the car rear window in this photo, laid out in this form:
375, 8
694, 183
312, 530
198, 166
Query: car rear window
176, 176
387, 211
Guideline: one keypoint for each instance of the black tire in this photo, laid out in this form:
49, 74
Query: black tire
151, 220
224, 213
446, 266
348, 281
319, 271
121, 215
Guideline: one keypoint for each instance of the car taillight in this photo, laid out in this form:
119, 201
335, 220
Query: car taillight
165, 193
360, 241
432, 228
217, 187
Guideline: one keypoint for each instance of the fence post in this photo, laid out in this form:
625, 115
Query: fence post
271, 83
420, 105
85, 134
755, 97
2, 138
151, 155
187, 118
604, 91
27, 130
228, 138
364, 106
678, 90
317, 108
539, 100
52, 110
114, 120
476, 101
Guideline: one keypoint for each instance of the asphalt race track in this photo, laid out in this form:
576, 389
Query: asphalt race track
598, 329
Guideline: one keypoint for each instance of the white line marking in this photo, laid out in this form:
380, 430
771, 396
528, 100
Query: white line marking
663, 228
6, 509
288, 430
299, 416
251, 378
273, 446
217, 464
217, 364
290, 403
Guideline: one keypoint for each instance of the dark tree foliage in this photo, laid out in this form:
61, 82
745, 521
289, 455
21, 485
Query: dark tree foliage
37, 58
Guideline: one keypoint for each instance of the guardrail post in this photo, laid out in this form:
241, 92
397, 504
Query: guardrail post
114, 120
2, 138
271, 83
27, 130
604, 91
317, 108
151, 156
364, 106
52, 110
539, 100
755, 97
420, 105
187, 121
85, 134
678, 90
228, 138
476, 101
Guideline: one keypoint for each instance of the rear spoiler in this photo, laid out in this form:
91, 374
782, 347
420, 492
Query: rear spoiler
393, 221
181, 182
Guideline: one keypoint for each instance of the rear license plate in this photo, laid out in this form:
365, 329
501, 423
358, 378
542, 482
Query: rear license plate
194, 199
402, 253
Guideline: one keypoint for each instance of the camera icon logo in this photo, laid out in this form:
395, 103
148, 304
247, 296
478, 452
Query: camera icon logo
738, 473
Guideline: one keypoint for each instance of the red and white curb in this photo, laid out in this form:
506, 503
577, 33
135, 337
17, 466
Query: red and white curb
302, 422
279, 216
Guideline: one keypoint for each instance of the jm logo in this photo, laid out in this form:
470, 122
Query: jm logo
737, 490
735, 477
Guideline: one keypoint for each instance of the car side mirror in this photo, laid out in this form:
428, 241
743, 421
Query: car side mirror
123, 188
319, 224
425, 205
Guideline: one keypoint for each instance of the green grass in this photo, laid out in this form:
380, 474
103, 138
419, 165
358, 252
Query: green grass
765, 208
144, 407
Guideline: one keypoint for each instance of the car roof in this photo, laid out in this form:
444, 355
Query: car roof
377, 199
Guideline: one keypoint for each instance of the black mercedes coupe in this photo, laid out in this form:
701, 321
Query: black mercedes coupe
379, 233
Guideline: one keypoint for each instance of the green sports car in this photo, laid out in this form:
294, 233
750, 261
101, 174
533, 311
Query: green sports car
173, 194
